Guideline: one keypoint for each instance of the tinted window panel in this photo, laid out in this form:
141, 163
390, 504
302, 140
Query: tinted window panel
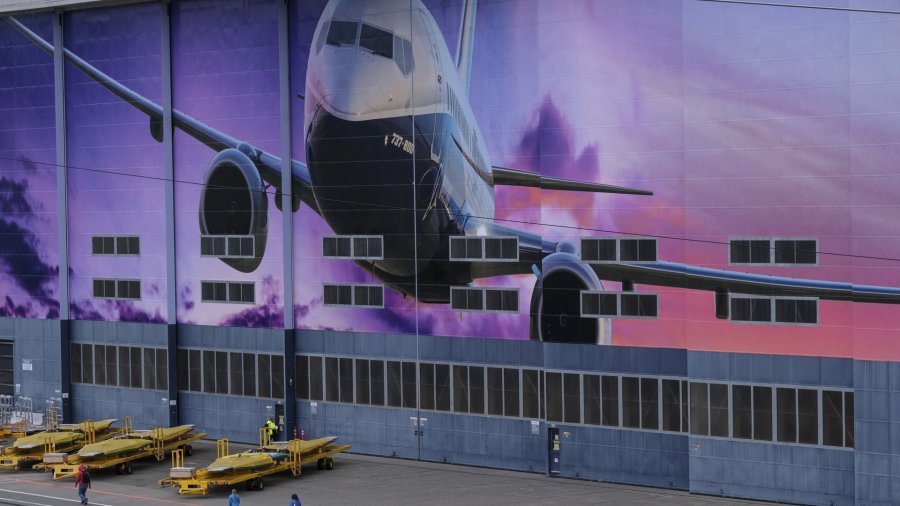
571, 398
511, 392
699, 409
554, 397
741, 412
718, 410
610, 390
631, 402
495, 391
762, 413
592, 399
476, 389
426, 388
671, 405
649, 403
808, 416
787, 415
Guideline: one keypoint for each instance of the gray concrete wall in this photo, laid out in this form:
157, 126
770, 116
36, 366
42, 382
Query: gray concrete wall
38, 341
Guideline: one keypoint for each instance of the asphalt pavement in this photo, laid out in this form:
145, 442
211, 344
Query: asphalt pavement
355, 480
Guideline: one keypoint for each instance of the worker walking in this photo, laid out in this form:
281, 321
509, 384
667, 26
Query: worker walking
234, 499
82, 483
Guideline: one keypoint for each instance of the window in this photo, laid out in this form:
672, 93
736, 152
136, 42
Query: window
426, 390
243, 374
475, 249
116, 245
345, 366
849, 440
554, 397
631, 402
353, 247
484, 299
591, 399
264, 375
746, 251
649, 403
376, 370
100, 364
342, 33
442, 387
741, 412
762, 413
362, 381
75, 362
354, 295
332, 380
608, 249
394, 390
699, 409
718, 410
786, 251
786, 415
301, 368
215, 372
571, 398
409, 384
227, 291
832, 418
87, 363
789, 311
460, 389
476, 389
801, 311
511, 392
403, 55
315, 379
376, 40
671, 406
530, 394
227, 246
808, 416
796, 252
619, 304
610, 391
117, 289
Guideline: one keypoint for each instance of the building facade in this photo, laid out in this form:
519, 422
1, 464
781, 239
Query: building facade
657, 237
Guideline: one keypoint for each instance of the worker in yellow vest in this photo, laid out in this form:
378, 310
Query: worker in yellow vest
271, 429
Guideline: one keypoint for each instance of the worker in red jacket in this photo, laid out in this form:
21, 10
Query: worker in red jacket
82, 483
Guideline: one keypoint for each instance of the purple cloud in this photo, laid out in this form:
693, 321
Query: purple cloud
19, 255
269, 314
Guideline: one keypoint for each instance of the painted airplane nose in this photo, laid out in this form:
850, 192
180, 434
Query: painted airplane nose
342, 89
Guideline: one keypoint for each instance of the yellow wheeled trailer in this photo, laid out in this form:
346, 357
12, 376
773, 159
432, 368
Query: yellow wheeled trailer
197, 482
13, 458
122, 463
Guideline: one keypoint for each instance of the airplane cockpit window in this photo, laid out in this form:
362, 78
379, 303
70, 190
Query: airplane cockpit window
403, 55
342, 33
378, 41
322, 35
371, 38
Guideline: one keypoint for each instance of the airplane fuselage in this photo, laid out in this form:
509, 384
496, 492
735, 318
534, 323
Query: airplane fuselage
392, 146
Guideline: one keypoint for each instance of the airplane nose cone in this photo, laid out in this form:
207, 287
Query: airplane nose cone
341, 90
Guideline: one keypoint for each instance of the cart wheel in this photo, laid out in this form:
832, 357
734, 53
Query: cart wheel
320, 464
329, 463
188, 450
127, 468
251, 484
120, 468
260, 484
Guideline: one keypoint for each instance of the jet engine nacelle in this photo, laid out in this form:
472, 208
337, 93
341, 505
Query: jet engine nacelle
234, 202
556, 302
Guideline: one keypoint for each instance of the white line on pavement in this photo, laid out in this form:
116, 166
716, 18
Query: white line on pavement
49, 497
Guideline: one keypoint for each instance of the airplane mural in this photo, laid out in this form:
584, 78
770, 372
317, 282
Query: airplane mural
394, 150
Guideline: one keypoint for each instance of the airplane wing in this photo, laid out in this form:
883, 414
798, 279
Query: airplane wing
533, 249
268, 164
503, 176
